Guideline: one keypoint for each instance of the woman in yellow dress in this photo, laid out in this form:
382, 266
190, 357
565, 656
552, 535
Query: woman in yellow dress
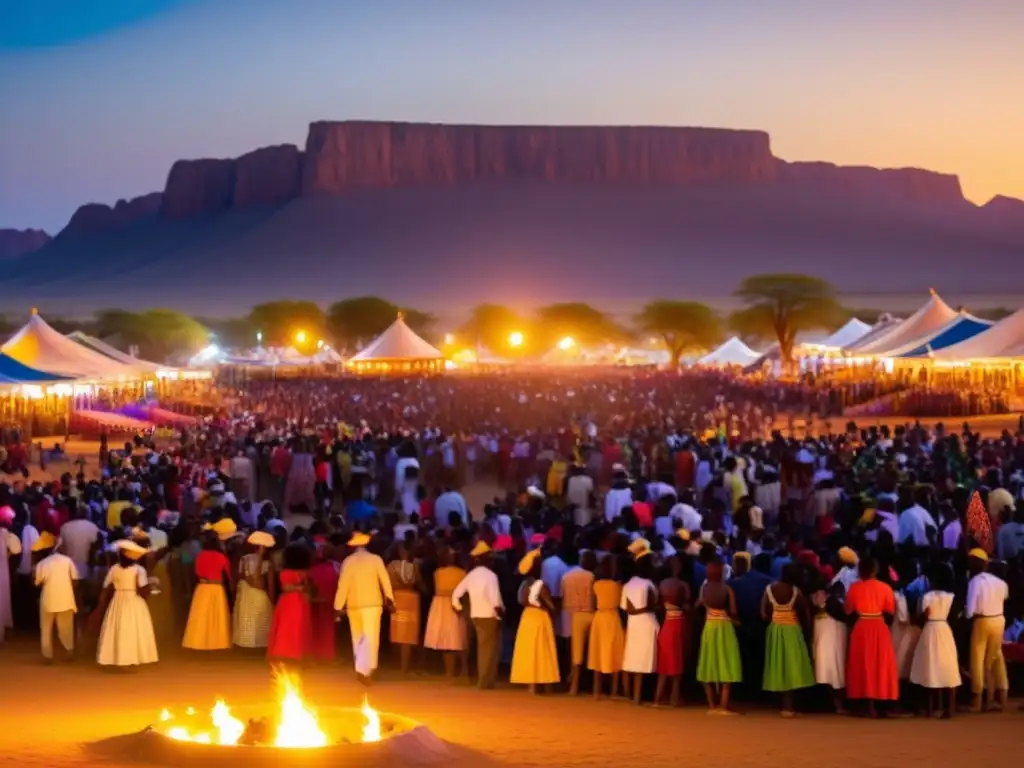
446, 629
607, 638
209, 620
534, 659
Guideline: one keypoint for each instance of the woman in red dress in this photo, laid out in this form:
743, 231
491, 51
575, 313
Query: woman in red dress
871, 672
292, 628
675, 596
324, 578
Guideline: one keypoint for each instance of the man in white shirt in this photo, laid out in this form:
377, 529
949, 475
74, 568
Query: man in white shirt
684, 512
364, 591
486, 609
986, 595
619, 496
579, 492
78, 535
448, 502
57, 576
916, 526
552, 569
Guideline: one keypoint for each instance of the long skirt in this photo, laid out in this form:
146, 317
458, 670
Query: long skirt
446, 629
935, 662
405, 621
787, 664
209, 623
292, 627
126, 637
607, 643
641, 653
871, 663
253, 615
672, 645
719, 659
830, 652
535, 659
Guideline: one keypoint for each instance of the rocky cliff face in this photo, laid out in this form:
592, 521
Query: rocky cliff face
18, 242
97, 217
268, 176
346, 155
341, 156
198, 186
911, 184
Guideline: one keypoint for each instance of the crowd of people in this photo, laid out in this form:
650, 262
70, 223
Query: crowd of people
652, 534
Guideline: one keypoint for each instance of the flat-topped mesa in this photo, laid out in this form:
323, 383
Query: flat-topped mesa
99, 217
268, 176
345, 155
18, 242
198, 186
910, 184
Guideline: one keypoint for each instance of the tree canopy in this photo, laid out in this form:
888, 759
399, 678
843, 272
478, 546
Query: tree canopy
684, 326
158, 334
282, 322
489, 326
779, 306
355, 322
582, 322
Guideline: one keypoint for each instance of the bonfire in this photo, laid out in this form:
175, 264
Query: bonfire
293, 726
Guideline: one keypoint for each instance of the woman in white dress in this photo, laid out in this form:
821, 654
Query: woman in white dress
905, 634
639, 600
126, 637
10, 547
935, 664
829, 643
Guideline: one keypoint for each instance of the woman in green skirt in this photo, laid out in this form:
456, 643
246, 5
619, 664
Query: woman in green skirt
787, 664
718, 665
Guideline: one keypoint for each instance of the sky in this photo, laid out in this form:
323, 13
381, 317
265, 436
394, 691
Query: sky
99, 97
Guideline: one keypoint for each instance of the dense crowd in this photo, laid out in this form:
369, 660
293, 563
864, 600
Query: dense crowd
651, 532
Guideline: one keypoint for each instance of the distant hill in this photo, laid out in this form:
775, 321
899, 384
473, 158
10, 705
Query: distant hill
443, 216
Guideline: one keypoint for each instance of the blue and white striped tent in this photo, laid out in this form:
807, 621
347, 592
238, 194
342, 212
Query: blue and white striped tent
962, 327
13, 372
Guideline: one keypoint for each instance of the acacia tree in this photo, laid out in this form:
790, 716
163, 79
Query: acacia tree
355, 322
489, 326
782, 305
279, 321
684, 326
582, 322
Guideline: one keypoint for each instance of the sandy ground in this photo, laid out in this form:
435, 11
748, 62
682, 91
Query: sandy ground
53, 716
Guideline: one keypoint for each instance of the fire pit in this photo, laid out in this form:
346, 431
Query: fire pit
255, 735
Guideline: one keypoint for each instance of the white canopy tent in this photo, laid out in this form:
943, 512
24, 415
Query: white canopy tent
399, 348
731, 352
934, 315
1004, 340
39, 346
98, 345
853, 331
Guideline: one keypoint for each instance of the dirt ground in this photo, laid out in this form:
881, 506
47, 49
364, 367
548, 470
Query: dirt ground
52, 716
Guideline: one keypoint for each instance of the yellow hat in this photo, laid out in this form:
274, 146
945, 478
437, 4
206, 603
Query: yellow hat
261, 539
359, 539
978, 554
130, 549
481, 549
683, 534
225, 528
526, 564
46, 540
640, 548
741, 556
847, 556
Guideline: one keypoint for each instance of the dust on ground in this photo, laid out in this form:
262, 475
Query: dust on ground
52, 714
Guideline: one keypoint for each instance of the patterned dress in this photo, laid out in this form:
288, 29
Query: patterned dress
253, 610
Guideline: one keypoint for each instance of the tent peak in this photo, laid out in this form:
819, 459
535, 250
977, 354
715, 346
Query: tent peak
35, 311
